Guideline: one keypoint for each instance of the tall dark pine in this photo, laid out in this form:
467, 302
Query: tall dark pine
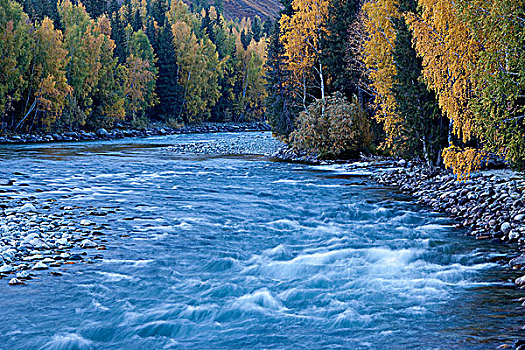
246, 38
426, 129
157, 10
256, 29
207, 26
95, 8
280, 108
342, 13
119, 36
167, 89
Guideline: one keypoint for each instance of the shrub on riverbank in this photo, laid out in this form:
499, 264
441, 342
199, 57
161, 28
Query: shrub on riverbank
332, 128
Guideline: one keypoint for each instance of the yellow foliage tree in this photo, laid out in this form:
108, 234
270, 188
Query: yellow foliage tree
450, 51
448, 48
48, 74
301, 37
198, 64
379, 60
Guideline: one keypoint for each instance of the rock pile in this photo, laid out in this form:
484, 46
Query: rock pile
37, 238
253, 144
103, 134
491, 204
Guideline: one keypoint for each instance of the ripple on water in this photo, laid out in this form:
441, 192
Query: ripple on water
246, 253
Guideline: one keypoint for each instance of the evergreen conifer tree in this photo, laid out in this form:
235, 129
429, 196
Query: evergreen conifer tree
416, 104
168, 90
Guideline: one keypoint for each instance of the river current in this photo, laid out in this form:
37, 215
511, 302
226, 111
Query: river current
244, 252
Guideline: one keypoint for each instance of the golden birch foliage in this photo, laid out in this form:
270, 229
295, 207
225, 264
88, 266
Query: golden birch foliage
379, 60
109, 93
198, 64
48, 74
463, 161
448, 49
251, 68
138, 77
84, 43
301, 35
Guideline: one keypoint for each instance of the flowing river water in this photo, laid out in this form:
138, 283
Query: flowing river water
244, 252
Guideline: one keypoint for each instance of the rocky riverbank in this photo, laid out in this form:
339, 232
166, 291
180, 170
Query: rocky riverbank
40, 236
240, 144
103, 134
491, 205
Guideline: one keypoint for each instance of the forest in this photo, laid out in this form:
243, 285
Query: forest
443, 81
71, 65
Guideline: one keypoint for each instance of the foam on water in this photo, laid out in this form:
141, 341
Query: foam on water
220, 253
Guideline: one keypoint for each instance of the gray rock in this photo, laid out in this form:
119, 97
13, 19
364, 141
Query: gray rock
520, 281
506, 227
513, 235
37, 243
520, 260
102, 132
6, 268
519, 218
40, 266
86, 223
23, 275
15, 282
62, 241
88, 244
27, 208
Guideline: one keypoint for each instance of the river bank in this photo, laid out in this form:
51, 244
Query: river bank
119, 133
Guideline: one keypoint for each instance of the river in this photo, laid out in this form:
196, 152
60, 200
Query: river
245, 252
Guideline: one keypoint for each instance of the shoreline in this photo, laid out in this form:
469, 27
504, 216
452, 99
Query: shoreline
118, 133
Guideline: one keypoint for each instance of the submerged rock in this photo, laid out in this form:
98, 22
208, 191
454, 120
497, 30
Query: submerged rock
15, 282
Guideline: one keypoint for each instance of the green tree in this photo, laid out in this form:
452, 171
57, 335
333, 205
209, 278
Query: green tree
15, 56
168, 89
423, 130
280, 107
341, 15
256, 29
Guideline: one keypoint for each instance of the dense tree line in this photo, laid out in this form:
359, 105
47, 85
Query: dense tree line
444, 79
70, 65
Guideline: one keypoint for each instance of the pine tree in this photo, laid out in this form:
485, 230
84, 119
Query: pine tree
168, 89
424, 129
280, 109
341, 14
95, 8
256, 29
246, 38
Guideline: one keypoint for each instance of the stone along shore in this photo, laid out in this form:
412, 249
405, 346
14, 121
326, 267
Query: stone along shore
103, 134
491, 204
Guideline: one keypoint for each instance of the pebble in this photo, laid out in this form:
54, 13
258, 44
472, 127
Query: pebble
88, 244
22, 275
103, 134
15, 282
40, 266
6, 268
27, 208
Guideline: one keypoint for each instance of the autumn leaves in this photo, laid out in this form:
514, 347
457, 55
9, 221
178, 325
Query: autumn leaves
445, 79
